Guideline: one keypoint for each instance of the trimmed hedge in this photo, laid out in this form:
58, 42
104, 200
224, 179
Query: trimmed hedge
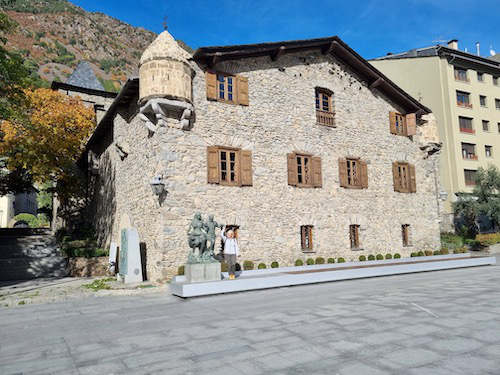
261, 266
310, 261
331, 260
299, 262
428, 253
319, 260
397, 256
388, 256
420, 254
380, 257
413, 255
488, 239
444, 251
180, 270
275, 264
371, 257
362, 258
341, 260
436, 252
248, 265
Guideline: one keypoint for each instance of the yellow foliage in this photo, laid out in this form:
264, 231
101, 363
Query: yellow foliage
53, 139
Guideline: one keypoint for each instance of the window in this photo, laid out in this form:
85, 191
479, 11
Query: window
227, 88
405, 232
488, 151
482, 100
498, 126
405, 125
404, 177
306, 237
461, 75
465, 125
469, 151
480, 77
353, 173
229, 166
304, 170
497, 103
470, 177
486, 125
324, 107
495, 81
354, 236
463, 99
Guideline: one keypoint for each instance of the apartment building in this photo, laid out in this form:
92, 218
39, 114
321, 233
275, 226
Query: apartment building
463, 92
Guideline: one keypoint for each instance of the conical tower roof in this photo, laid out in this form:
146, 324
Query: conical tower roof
84, 76
164, 46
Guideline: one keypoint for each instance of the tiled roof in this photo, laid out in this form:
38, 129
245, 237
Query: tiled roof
84, 76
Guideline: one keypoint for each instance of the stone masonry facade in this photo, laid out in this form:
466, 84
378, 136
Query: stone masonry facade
280, 119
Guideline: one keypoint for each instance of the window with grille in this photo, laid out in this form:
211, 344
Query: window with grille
304, 170
306, 237
405, 232
470, 177
354, 236
324, 107
225, 87
229, 166
405, 125
404, 177
353, 175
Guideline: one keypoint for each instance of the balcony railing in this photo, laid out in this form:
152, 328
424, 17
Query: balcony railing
465, 105
325, 117
467, 130
469, 156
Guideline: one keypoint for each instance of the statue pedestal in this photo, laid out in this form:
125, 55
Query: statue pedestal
199, 272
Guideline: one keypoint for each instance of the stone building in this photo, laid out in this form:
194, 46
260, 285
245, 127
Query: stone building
302, 146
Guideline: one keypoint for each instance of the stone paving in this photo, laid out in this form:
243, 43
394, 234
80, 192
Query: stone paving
445, 322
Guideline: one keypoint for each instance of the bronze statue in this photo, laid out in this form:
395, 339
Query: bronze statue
209, 227
197, 237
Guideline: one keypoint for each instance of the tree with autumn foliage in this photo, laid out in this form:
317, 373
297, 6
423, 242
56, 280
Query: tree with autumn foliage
49, 143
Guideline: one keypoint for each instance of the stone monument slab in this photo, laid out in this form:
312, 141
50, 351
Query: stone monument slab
130, 267
212, 271
195, 272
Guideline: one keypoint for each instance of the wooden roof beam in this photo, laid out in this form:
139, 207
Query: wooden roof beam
214, 59
329, 47
376, 83
278, 53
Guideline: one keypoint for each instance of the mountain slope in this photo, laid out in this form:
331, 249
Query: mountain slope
54, 35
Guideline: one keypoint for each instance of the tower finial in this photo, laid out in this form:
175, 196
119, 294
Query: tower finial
165, 25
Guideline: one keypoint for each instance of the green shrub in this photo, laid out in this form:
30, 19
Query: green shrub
380, 257
371, 257
436, 252
488, 239
181, 270
428, 253
261, 266
388, 256
248, 265
451, 240
397, 256
341, 260
299, 262
444, 251
275, 264
420, 253
413, 255
319, 260
331, 260
362, 258
310, 261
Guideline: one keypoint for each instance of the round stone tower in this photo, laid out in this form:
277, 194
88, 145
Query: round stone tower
164, 71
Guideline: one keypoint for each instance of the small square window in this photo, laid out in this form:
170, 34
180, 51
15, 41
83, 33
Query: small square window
306, 237
495, 81
497, 103
480, 77
488, 151
354, 236
482, 100
486, 125
405, 232
470, 177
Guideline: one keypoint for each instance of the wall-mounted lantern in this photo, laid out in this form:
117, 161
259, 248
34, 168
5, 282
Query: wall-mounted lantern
157, 185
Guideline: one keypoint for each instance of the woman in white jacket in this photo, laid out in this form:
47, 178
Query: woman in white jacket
231, 250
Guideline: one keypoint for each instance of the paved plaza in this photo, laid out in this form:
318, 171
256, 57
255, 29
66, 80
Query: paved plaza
445, 322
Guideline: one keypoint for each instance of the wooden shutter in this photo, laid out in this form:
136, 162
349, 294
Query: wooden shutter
292, 169
411, 124
343, 172
395, 176
242, 90
317, 178
213, 165
392, 120
413, 180
211, 82
246, 168
363, 168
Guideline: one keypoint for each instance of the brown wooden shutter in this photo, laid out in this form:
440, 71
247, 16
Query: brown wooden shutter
364, 174
246, 167
411, 124
392, 120
343, 172
413, 180
213, 165
395, 176
292, 169
317, 177
242, 90
211, 82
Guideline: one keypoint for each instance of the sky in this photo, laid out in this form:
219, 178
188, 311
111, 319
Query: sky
371, 27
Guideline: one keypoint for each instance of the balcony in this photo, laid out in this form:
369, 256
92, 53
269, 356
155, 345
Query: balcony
464, 105
325, 118
467, 156
467, 130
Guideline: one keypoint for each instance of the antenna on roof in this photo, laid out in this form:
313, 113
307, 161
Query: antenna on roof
439, 41
492, 51
165, 25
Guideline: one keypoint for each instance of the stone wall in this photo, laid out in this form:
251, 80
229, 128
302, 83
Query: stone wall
280, 119
88, 267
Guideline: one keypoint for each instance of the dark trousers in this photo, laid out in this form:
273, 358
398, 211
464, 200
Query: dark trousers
230, 259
